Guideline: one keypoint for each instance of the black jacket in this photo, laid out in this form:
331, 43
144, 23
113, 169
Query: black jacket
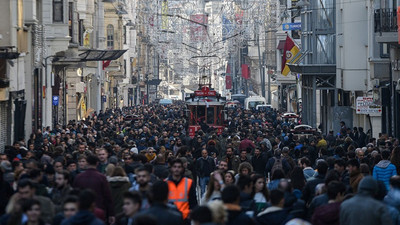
205, 166
163, 214
258, 163
273, 218
238, 217
309, 189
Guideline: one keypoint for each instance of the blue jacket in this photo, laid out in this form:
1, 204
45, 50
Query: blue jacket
383, 171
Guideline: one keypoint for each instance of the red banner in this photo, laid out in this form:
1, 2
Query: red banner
245, 71
398, 24
228, 82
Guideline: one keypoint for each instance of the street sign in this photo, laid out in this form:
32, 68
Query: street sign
55, 100
291, 26
367, 105
205, 91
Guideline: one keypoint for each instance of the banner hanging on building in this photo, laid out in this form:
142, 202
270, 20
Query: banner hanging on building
398, 24
291, 54
198, 27
164, 15
227, 28
245, 71
228, 82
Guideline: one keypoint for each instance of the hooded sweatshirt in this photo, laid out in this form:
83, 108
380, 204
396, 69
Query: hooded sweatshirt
383, 171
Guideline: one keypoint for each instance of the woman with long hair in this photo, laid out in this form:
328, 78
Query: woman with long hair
395, 158
119, 184
260, 192
31, 208
229, 178
298, 181
213, 191
277, 175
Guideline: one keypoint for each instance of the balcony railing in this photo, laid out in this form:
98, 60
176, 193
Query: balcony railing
385, 20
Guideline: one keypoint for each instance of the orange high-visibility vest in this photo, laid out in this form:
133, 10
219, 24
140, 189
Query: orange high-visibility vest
179, 195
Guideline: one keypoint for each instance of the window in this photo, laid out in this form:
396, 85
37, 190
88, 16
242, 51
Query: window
325, 52
71, 21
110, 36
124, 34
125, 67
81, 32
210, 115
58, 11
384, 50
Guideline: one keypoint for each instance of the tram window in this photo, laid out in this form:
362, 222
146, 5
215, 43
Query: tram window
192, 115
219, 116
201, 113
210, 115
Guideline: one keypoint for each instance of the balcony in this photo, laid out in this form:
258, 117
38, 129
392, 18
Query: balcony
385, 21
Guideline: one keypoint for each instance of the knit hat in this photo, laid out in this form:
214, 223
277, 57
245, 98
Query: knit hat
368, 184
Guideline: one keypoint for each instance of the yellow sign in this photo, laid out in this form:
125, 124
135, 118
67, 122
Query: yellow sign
164, 15
86, 40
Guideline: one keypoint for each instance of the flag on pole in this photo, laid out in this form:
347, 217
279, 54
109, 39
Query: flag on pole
245, 71
291, 54
106, 64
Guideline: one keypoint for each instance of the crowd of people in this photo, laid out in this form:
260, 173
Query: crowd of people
137, 165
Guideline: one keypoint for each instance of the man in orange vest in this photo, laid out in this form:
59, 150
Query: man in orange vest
182, 191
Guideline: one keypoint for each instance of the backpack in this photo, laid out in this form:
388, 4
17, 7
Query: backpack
277, 165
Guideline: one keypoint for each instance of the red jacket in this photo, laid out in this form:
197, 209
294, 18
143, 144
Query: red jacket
246, 143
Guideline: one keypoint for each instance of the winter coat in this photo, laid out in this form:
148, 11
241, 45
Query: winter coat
97, 182
383, 171
270, 164
58, 196
327, 214
118, 186
205, 166
161, 171
309, 189
364, 209
355, 179
163, 214
317, 201
83, 217
273, 216
258, 163
309, 173
393, 198
236, 216
233, 163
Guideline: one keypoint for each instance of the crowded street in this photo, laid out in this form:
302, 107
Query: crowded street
138, 165
199, 112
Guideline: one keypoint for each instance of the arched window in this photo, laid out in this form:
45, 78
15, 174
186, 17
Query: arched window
110, 36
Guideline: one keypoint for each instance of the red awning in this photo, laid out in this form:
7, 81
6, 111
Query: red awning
281, 44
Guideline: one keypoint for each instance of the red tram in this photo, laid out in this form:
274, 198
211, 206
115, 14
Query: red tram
206, 108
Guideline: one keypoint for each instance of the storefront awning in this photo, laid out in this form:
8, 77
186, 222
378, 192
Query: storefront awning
101, 55
8, 52
313, 69
95, 55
